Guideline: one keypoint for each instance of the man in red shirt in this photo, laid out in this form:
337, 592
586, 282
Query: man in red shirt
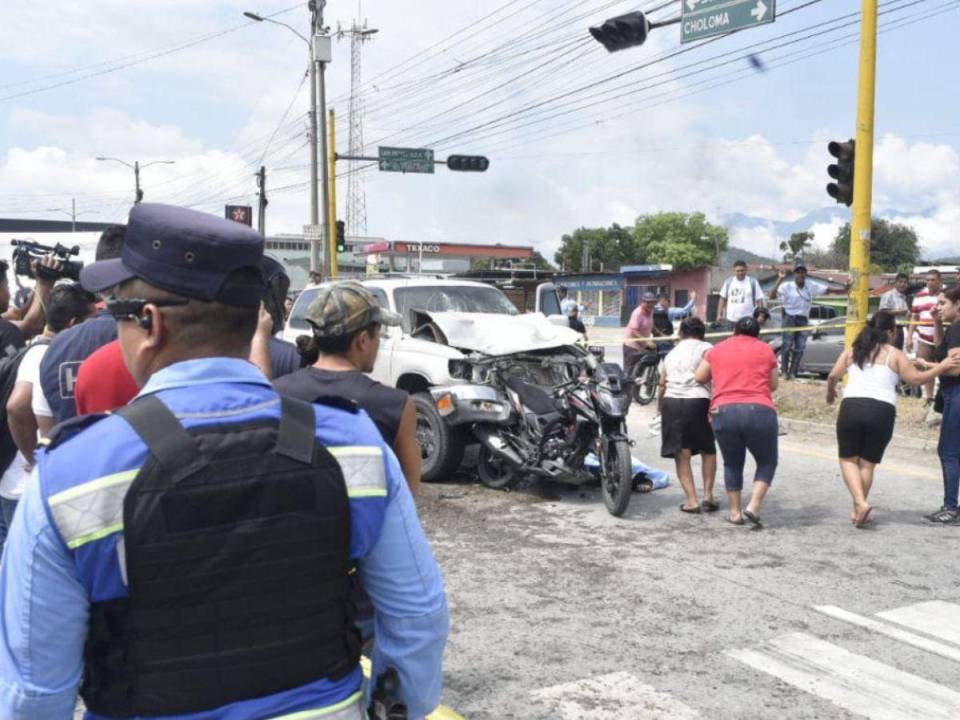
103, 381
923, 302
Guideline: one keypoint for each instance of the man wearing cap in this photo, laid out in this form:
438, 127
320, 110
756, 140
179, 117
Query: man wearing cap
347, 325
638, 332
191, 555
797, 298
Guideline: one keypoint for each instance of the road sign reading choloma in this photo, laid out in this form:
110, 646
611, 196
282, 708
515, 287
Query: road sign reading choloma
705, 18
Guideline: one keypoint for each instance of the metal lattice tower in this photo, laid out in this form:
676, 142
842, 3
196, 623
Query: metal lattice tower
356, 194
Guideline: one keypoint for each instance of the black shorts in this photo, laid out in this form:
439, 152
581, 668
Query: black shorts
685, 425
864, 428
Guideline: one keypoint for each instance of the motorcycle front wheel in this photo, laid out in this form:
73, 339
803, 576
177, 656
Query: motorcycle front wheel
616, 478
645, 383
495, 473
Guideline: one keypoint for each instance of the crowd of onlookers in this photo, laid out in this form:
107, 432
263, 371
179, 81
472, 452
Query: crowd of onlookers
722, 393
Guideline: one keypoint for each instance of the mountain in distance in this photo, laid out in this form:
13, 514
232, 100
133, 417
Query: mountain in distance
732, 254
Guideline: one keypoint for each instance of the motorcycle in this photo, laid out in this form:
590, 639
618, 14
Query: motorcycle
548, 431
645, 375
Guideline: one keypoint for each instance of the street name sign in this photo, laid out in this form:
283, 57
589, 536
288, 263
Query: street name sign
405, 160
706, 18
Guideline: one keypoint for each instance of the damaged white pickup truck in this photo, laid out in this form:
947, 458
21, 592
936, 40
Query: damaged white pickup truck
445, 323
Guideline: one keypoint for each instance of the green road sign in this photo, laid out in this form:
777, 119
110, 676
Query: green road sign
705, 18
405, 160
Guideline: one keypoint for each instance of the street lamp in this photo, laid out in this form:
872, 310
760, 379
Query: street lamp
72, 212
136, 167
319, 50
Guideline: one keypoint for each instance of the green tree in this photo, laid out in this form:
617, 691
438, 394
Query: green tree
795, 249
892, 246
606, 247
684, 240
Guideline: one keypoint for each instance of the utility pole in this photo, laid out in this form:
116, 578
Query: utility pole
320, 55
857, 305
262, 200
73, 215
332, 199
138, 193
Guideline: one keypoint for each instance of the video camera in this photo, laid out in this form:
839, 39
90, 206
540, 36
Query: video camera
28, 251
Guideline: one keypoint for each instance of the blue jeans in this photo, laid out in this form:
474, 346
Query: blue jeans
7, 508
795, 341
741, 427
949, 446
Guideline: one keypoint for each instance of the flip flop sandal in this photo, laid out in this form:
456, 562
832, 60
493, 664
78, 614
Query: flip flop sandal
709, 506
749, 515
863, 517
693, 510
734, 522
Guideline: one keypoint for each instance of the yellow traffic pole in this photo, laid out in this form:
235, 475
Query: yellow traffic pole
332, 195
858, 303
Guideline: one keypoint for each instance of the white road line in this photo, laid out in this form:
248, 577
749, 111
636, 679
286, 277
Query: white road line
936, 618
853, 682
948, 651
618, 694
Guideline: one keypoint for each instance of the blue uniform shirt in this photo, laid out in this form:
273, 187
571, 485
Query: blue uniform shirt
62, 361
50, 575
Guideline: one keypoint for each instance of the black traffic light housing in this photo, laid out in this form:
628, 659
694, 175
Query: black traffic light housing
341, 236
842, 171
622, 32
468, 163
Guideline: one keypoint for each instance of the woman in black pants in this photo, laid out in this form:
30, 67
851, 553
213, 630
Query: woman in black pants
874, 367
744, 373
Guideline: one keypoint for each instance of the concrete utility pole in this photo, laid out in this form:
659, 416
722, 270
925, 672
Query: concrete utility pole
136, 167
332, 195
72, 212
857, 306
319, 50
262, 201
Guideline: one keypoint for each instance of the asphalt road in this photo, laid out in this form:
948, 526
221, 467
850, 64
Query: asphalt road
561, 611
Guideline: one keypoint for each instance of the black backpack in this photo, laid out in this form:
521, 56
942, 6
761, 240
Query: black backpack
9, 366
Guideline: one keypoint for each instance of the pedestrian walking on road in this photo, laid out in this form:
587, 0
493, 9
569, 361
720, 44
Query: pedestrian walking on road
947, 338
744, 374
685, 416
874, 367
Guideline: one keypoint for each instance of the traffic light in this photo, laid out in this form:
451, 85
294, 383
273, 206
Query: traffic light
341, 236
842, 171
468, 163
622, 32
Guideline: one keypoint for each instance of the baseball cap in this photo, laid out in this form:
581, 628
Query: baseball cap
344, 308
648, 297
186, 252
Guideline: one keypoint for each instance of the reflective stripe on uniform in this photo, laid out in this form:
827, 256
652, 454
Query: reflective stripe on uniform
363, 470
349, 709
93, 510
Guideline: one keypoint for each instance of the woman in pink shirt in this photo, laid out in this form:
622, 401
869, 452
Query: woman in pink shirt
744, 374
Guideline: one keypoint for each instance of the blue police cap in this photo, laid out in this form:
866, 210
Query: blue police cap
185, 252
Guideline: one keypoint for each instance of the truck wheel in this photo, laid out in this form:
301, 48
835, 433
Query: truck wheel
441, 446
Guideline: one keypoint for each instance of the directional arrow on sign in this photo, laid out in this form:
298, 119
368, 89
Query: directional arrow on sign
708, 18
759, 11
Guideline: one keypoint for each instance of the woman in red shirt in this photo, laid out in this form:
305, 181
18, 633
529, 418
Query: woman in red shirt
744, 374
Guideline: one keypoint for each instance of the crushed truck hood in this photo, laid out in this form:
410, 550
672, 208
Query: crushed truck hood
501, 334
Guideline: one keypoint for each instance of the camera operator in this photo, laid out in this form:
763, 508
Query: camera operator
60, 365
18, 326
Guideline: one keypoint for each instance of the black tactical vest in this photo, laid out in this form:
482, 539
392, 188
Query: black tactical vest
237, 545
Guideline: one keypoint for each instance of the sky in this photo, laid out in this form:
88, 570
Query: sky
575, 136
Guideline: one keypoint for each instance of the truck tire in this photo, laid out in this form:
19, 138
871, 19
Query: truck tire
441, 446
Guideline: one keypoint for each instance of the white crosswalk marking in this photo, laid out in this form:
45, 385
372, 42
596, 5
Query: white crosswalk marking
948, 651
853, 682
616, 695
936, 618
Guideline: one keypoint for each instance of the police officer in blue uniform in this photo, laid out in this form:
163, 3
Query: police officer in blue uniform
190, 557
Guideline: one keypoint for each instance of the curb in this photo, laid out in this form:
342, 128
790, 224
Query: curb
899, 442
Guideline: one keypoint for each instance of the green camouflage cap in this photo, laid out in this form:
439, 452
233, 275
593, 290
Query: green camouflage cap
344, 308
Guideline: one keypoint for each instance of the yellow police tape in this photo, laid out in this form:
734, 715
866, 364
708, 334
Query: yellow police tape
729, 333
441, 713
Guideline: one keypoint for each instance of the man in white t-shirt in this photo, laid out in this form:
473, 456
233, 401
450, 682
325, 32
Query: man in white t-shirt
924, 343
740, 295
28, 414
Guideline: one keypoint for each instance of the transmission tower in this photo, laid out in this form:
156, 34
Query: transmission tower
356, 195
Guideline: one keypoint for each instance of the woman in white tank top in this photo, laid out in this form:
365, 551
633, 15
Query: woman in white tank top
868, 412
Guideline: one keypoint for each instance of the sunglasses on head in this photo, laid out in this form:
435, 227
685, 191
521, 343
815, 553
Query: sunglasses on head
132, 308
